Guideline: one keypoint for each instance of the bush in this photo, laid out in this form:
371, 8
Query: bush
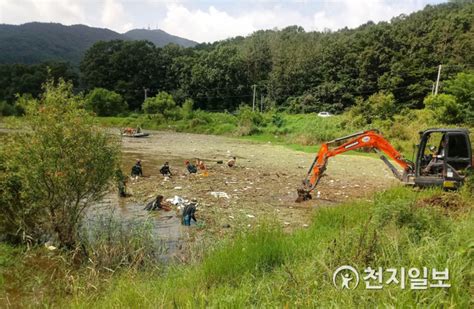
105, 102
462, 87
248, 120
163, 103
187, 109
379, 106
7, 109
51, 172
446, 108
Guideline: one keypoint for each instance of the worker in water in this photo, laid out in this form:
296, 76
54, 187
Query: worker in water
121, 182
156, 204
137, 169
231, 162
189, 213
190, 167
165, 170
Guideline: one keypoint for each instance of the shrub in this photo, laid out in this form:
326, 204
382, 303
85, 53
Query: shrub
7, 109
187, 109
162, 103
53, 170
105, 102
446, 108
462, 87
248, 120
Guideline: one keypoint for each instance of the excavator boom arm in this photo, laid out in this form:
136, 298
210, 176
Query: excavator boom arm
366, 139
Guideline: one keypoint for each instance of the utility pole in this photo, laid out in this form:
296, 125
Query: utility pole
437, 80
146, 92
254, 93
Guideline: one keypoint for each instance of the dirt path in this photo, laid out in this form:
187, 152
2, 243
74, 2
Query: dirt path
262, 186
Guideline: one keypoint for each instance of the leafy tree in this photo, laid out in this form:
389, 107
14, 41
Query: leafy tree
54, 170
21, 79
124, 67
163, 103
105, 103
446, 108
462, 87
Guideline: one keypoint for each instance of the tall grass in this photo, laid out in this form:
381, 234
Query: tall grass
267, 268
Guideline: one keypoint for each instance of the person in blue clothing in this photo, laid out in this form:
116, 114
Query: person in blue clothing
137, 169
189, 213
192, 169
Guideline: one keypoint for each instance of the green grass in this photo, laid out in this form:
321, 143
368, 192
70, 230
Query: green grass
299, 132
267, 268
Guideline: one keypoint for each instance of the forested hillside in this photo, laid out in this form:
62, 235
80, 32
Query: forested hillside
32, 43
292, 69
158, 37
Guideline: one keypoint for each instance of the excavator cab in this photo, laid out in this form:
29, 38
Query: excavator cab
444, 156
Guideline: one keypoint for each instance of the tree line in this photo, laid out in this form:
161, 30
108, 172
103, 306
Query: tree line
291, 69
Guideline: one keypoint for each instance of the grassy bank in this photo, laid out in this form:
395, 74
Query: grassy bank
397, 228
300, 132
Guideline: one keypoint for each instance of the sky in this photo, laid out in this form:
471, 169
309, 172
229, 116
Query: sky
208, 20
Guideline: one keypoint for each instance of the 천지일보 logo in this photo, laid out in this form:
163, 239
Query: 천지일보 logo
348, 277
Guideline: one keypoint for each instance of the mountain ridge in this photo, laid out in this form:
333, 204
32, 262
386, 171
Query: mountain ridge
37, 42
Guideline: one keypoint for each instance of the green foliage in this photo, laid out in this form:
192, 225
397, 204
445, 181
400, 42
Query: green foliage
248, 120
266, 268
53, 170
446, 108
379, 106
126, 67
187, 109
105, 103
7, 109
112, 243
163, 103
462, 87
20, 79
254, 253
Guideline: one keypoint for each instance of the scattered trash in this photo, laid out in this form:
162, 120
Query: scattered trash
219, 194
305, 225
232, 217
178, 188
251, 216
286, 223
226, 226
177, 200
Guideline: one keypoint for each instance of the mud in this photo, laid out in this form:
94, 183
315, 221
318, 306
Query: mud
262, 185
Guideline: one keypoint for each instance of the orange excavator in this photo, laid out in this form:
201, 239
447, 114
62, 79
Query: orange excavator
445, 167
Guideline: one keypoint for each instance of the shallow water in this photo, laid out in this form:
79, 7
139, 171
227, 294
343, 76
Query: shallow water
165, 225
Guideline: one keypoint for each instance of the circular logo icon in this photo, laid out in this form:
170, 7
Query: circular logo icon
365, 139
345, 277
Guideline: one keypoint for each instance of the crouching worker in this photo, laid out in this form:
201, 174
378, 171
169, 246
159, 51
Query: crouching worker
157, 204
165, 170
190, 167
188, 213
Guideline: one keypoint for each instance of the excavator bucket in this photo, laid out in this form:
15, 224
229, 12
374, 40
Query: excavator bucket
303, 195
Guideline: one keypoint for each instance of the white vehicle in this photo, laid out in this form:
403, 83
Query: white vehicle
325, 114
